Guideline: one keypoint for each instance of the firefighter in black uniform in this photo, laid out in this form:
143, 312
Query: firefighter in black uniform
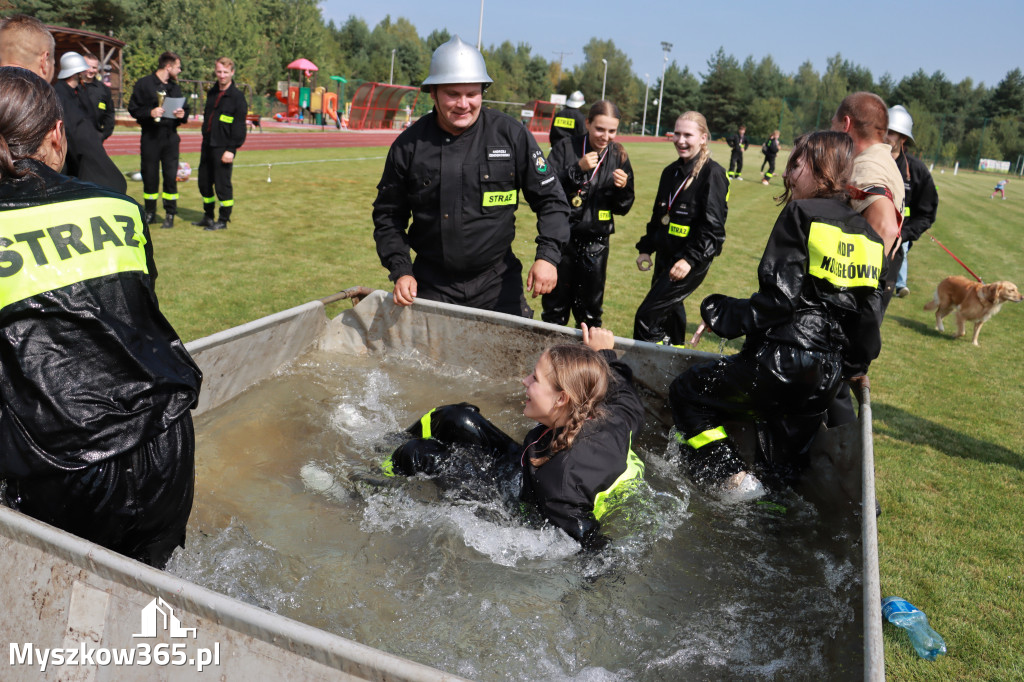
160, 139
921, 203
95, 386
101, 102
458, 171
770, 149
576, 463
598, 181
569, 122
223, 134
686, 231
739, 144
813, 322
86, 158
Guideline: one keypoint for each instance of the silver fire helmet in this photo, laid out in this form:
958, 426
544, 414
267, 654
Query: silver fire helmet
456, 62
575, 100
900, 121
70, 64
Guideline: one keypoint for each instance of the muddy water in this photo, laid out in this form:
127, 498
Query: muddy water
292, 514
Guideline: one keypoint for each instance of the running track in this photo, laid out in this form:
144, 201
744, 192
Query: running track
127, 142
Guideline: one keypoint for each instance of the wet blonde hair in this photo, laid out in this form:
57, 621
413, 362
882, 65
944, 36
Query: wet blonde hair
582, 374
702, 123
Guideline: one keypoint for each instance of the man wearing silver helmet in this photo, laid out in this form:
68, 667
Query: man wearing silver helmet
458, 172
922, 200
570, 121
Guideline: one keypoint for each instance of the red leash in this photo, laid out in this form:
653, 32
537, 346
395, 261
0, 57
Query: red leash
955, 258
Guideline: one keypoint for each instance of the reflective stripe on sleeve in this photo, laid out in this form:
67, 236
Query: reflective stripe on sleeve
633, 474
709, 436
224, 118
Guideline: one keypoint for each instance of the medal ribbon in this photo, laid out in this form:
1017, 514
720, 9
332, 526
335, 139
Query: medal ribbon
599, 161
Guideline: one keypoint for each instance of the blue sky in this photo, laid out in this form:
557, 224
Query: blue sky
961, 39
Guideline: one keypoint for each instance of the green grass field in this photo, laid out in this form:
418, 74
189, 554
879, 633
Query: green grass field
949, 444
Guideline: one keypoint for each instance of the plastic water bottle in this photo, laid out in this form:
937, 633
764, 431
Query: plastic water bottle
928, 643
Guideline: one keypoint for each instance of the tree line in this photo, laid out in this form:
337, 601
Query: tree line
952, 121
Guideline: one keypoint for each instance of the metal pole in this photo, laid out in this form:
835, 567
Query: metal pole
643, 126
480, 30
604, 80
661, 94
874, 654
391, 78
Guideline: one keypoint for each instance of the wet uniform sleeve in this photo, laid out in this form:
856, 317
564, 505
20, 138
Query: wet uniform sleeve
540, 186
865, 337
623, 197
649, 241
391, 213
780, 279
708, 228
623, 398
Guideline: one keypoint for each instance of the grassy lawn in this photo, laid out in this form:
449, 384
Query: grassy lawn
949, 444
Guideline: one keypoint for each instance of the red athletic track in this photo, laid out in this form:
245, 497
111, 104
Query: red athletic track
127, 142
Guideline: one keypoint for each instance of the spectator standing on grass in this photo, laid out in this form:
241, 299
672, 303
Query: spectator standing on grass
570, 121
458, 172
97, 94
685, 233
86, 158
96, 388
160, 141
770, 149
876, 193
921, 198
26, 42
223, 134
739, 144
597, 179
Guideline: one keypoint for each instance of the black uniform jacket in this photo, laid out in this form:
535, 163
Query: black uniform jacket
738, 142
462, 192
696, 229
818, 286
101, 104
922, 200
770, 147
568, 122
601, 198
224, 118
565, 486
89, 367
86, 158
144, 100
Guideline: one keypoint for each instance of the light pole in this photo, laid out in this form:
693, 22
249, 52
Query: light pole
666, 47
391, 79
604, 80
643, 126
480, 30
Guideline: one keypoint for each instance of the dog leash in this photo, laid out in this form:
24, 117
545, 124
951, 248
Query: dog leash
955, 258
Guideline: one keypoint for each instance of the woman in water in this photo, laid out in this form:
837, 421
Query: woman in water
813, 322
577, 458
597, 178
686, 231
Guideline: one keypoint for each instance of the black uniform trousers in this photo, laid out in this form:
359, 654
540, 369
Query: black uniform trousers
661, 315
136, 504
213, 173
736, 163
498, 288
785, 389
770, 160
580, 287
159, 151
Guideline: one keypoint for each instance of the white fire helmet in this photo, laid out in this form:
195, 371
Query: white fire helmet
900, 121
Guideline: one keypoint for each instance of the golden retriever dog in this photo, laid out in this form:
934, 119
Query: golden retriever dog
973, 301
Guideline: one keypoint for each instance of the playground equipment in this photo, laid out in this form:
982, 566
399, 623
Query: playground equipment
297, 98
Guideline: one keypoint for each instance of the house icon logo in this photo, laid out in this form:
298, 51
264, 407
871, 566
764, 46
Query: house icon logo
157, 616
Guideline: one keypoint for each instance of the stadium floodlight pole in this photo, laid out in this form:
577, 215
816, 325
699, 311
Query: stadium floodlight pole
643, 126
391, 78
480, 29
604, 79
666, 48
